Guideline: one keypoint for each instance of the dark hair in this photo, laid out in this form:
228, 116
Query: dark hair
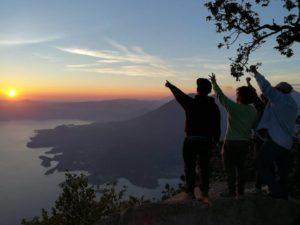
203, 86
284, 87
245, 94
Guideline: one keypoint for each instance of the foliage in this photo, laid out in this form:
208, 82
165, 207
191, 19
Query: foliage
241, 17
78, 204
169, 191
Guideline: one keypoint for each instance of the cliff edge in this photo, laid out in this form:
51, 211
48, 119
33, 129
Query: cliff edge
249, 211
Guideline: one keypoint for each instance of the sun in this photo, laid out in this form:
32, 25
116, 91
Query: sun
12, 93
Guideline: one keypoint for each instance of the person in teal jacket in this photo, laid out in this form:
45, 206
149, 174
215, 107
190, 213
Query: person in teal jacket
242, 117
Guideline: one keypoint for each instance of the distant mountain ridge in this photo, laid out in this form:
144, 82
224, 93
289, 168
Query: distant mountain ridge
102, 111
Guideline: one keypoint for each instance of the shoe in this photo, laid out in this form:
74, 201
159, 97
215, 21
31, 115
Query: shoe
256, 191
240, 197
205, 200
189, 196
283, 197
228, 195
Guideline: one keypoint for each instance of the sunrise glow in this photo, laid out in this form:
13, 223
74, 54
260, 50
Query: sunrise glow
116, 57
11, 93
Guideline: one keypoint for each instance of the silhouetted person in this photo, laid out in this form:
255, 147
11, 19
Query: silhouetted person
202, 129
241, 120
259, 103
276, 128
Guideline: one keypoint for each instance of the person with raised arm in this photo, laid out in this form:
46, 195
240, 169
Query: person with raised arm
202, 128
276, 128
259, 103
242, 117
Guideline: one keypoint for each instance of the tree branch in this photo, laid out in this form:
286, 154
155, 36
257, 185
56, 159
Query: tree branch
237, 17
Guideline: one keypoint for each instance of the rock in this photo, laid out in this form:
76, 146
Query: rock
249, 211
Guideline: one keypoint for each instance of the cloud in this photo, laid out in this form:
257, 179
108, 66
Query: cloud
129, 70
46, 57
117, 45
205, 63
215, 66
122, 60
194, 59
25, 41
89, 65
88, 52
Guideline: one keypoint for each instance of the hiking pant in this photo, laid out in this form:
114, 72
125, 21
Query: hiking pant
273, 153
257, 151
258, 178
197, 154
234, 159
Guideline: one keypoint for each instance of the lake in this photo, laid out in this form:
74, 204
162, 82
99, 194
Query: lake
24, 189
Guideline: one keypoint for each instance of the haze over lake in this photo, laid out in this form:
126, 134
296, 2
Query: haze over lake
24, 189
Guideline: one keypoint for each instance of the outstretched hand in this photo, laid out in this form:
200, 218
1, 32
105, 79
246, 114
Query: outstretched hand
253, 69
212, 78
168, 84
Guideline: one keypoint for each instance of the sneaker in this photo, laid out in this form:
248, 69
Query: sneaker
228, 195
205, 200
256, 191
240, 197
189, 196
283, 197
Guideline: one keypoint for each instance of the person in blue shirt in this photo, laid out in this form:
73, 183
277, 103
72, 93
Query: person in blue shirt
276, 129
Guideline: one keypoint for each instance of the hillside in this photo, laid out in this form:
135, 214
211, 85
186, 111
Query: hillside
102, 111
253, 210
142, 149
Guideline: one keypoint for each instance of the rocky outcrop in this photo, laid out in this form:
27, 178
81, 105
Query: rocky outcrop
249, 211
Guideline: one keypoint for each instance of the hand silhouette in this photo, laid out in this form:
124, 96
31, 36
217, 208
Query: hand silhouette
213, 78
168, 84
253, 69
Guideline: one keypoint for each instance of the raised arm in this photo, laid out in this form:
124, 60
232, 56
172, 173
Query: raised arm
264, 85
182, 98
224, 100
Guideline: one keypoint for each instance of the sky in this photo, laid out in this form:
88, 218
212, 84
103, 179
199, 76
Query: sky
105, 49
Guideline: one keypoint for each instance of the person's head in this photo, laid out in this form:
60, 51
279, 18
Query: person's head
284, 87
245, 95
203, 86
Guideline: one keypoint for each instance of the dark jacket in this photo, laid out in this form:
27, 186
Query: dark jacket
202, 114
